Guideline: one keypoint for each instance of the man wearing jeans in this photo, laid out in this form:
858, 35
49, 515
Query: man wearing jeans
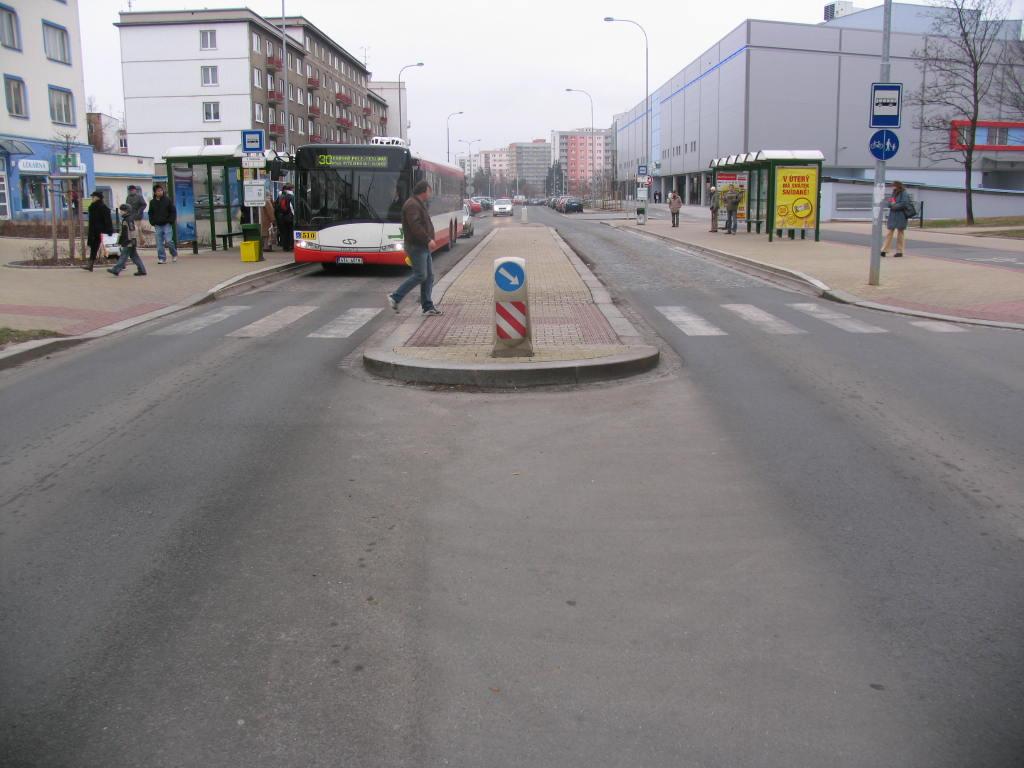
419, 243
163, 215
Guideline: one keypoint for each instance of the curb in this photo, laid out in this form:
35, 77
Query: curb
32, 350
822, 290
641, 357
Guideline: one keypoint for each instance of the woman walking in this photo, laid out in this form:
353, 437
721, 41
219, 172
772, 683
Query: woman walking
896, 222
99, 225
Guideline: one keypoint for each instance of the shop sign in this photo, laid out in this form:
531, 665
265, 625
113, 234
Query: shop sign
796, 195
34, 166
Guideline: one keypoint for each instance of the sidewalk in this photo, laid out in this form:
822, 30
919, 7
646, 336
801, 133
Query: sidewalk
578, 334
919, 282
73, 302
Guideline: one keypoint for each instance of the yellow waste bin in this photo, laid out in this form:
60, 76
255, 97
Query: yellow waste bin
252, 243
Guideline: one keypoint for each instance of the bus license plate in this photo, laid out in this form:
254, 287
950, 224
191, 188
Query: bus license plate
306, 235
349, 260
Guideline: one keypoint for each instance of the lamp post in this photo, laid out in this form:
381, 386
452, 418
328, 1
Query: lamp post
647, 88
593, 137
448, 123
470, 144
401, 124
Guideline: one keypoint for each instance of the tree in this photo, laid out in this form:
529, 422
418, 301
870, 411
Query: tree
1012, 96
961, 60
554, 184
70, 192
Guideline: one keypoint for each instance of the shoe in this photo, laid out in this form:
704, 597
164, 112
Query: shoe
433, 311
88, 268
883, 254
174, 259
140, 274
161, 261
112, 271
392, 303
897, 255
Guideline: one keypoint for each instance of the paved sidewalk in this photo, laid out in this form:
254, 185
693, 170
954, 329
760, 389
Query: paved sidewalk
921, 281
72, 301
577, 332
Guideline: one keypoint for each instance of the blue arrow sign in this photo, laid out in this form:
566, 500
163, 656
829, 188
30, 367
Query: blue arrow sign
884, 145
509, 276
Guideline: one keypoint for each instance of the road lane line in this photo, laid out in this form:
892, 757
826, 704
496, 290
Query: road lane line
198, 323
937, 326
689, 323
347, 324
763, 320
271, 323
837, 319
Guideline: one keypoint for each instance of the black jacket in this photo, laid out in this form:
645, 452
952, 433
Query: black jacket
162, 211
99, 223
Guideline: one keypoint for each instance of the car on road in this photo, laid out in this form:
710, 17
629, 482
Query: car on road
519, 200
502, 207
474, 206
485, 202
467, 221
572, 205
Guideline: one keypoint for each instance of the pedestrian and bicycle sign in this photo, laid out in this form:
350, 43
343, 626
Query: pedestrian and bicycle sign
509, 276
884, 145
886, 105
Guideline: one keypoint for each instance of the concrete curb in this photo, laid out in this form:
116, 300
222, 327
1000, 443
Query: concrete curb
823, 290
32, 350
640, 357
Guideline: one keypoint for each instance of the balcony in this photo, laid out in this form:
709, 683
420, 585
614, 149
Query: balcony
367, 131
367, 110
341, 98
313, 82
344, 122
275, 97
314, 111
277, 129
274, 63
316, 138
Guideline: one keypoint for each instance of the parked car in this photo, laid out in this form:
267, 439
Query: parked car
560, 203
483, 202
467, 221
502, 207
572, 205
474, 206
518, 199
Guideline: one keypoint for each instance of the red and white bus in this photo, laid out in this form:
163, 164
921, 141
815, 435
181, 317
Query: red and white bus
349, 197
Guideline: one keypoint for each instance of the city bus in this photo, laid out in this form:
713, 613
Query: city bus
349, 197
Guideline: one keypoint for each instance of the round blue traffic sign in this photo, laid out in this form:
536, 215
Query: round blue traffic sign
884, 145
509, 276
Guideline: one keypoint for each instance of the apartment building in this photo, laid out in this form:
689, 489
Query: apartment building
201, 77
529, 162
585, 157
496, 163
43, 128
106, 133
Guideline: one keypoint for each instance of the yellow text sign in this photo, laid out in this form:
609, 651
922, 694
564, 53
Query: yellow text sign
796, 197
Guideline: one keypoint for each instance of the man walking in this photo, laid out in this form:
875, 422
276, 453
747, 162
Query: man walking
163, 215
137, 204
127, 240
675, 202
100, 224
731, 198
419, 243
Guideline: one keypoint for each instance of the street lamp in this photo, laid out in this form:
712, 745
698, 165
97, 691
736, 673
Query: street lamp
593, 137
470, 145
647, 88
401, 125
449, 128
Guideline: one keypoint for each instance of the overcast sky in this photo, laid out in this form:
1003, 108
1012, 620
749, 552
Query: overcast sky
506, 65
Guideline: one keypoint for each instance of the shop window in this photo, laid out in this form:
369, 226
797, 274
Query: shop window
33, 193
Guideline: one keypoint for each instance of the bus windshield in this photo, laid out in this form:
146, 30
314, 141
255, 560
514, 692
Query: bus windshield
338, 195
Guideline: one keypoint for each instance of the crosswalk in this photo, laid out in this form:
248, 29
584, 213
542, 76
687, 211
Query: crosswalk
341, 327
693, 324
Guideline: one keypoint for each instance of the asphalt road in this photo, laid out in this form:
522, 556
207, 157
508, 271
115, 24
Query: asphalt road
799, 542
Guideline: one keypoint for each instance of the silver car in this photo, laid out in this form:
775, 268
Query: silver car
467, 222
503, 207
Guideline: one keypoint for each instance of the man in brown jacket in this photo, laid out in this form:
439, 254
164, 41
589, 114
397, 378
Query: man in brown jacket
419, 243
675, 202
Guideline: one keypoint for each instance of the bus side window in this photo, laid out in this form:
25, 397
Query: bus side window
417, 176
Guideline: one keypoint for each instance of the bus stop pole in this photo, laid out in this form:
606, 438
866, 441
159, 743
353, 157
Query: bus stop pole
879, 192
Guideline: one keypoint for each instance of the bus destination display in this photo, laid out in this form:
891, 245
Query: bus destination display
352, 161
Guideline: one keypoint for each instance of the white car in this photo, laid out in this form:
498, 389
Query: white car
503, 207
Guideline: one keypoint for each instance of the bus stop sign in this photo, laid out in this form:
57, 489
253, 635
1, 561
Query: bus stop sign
886, 105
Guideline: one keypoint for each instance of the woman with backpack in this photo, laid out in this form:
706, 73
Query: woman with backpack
284, 214
901, 210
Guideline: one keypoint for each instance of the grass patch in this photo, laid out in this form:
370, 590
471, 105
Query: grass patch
15, 336
992, 221
1017, 234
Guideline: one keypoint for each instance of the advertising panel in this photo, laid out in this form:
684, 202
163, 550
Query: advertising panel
726, 179
796, 197
184, 201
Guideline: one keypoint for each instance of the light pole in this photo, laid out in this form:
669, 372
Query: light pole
449, 128
470, 145
593, 137
875, 263
401, 124
647, 88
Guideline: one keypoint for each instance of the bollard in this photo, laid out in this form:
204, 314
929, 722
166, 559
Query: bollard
513, 336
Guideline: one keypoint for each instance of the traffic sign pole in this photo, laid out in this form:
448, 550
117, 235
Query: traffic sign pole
878, 210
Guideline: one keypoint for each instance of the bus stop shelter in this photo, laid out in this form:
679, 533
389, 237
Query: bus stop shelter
781, 189
205, 184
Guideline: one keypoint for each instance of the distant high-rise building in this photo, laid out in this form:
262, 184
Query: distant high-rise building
585, 158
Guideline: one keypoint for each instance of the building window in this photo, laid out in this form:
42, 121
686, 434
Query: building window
14, 90
309, 70
259, 112
208, 39
271, 115
209, 75
257, 78
300, 96
211, 111
211, 141
311, 131
33, 193
291, 92
257, 44
62, 106
298, 66
122, 142
306, 43
302, 126
56, 43
291, 60
270, 47
10, 36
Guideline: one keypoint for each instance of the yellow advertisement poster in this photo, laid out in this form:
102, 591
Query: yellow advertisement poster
796, 195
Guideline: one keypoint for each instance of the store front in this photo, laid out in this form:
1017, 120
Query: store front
28, 187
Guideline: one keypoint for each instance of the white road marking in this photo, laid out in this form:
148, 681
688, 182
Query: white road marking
837, 319
937, 326
766, 322
347, 324
198, 323
271, 323
689, 323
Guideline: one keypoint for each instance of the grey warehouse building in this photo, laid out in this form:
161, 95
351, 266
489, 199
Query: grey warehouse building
779, 85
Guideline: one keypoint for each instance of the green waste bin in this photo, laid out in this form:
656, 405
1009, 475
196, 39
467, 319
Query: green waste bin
252, 243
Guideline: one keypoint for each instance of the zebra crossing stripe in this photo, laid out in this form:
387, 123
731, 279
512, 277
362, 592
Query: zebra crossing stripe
765, 321
937, 326
272, 322
347, 324
689, 323
198, 323
837, 319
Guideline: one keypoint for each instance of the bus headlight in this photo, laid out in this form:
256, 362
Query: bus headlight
307, 244
396, 246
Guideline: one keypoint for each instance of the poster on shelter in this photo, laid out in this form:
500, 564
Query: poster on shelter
184, 201
724, 180
796, 195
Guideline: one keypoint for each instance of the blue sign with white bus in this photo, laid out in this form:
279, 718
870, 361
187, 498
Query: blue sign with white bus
886, 105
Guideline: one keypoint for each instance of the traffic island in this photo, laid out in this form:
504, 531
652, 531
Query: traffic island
578, 334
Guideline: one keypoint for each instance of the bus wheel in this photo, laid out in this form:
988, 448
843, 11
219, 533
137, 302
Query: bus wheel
451, 235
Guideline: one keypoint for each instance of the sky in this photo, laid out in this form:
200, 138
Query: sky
505, 65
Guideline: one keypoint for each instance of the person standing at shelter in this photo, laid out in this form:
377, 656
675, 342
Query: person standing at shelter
419, 243
731, 198
100, 224
675, 202
896, 222
163, 215
137, 203
284, 214
714, 209
128, 240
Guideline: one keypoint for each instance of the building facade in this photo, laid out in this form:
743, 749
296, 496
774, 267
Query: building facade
529, 162
585, 159
106, 133
393, 95
43, 134
201, 77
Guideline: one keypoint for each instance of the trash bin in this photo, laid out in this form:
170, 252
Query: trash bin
252, 243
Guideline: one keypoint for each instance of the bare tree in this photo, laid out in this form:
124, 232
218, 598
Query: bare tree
1012, 96
72, 194
961, 61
